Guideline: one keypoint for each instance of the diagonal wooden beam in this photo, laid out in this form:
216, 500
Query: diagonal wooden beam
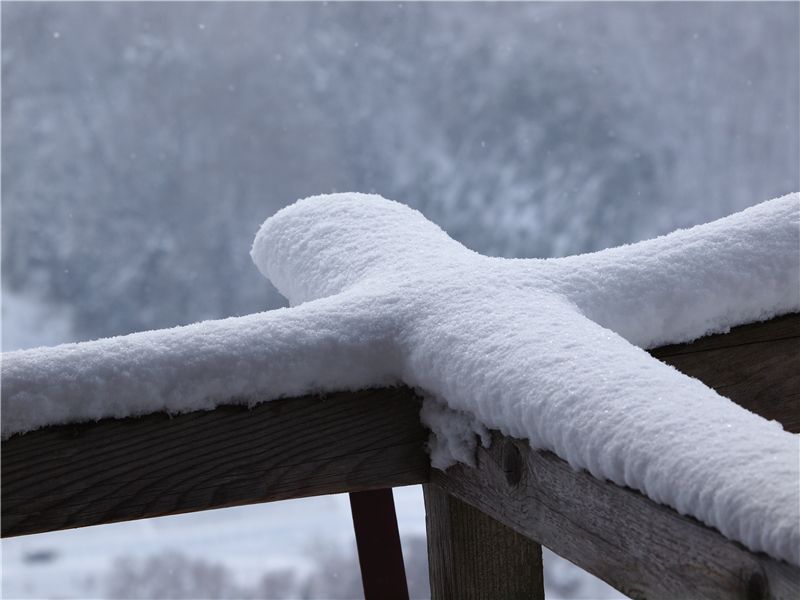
380, 555
644, 549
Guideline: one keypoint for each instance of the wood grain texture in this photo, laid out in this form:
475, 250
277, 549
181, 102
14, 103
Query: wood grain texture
757, 366
471, 556
116, 470
643, 549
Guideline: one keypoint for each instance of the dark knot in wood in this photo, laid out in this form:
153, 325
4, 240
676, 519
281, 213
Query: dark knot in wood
512, 463
757, 588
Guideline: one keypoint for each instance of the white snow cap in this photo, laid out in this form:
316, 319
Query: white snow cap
546, 350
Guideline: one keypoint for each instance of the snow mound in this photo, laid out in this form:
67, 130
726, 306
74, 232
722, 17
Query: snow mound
546, 350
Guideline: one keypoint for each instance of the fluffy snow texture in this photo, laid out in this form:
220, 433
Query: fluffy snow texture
547, 350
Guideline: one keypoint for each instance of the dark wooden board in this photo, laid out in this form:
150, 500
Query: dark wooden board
757, 366
380, 554
778, 328
474, 557
644, 549
116, 470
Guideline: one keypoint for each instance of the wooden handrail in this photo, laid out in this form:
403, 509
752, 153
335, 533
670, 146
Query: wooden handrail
118, 470
757, 366
113, 470
644, 549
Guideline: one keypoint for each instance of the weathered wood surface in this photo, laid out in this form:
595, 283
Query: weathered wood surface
471, 556
116, 470
644, 549
757, 366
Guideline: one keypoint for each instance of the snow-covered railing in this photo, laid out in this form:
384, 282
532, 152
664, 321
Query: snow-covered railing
114, 470
545, 359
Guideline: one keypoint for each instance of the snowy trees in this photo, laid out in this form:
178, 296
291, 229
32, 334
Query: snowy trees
334, 573
142, 141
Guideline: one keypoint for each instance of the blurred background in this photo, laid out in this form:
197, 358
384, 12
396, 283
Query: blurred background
144, 143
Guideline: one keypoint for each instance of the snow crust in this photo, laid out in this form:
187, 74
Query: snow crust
546, 350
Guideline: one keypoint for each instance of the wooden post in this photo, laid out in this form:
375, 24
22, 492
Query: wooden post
378, 540
473, 557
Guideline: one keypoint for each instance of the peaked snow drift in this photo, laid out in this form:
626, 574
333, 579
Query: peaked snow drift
547, 350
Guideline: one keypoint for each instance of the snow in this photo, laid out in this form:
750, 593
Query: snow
546, 350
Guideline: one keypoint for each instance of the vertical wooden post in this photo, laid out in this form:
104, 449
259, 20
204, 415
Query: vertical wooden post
380, 556
473, 557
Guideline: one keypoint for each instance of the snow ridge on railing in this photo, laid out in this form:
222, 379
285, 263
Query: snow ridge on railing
544, 350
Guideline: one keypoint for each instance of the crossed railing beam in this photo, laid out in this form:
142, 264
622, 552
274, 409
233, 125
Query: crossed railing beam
485, 523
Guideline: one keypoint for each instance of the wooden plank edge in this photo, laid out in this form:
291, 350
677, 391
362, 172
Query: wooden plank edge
643, 549
118, 470
778, 328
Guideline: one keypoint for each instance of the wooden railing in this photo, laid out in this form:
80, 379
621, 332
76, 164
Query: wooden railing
484, 524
